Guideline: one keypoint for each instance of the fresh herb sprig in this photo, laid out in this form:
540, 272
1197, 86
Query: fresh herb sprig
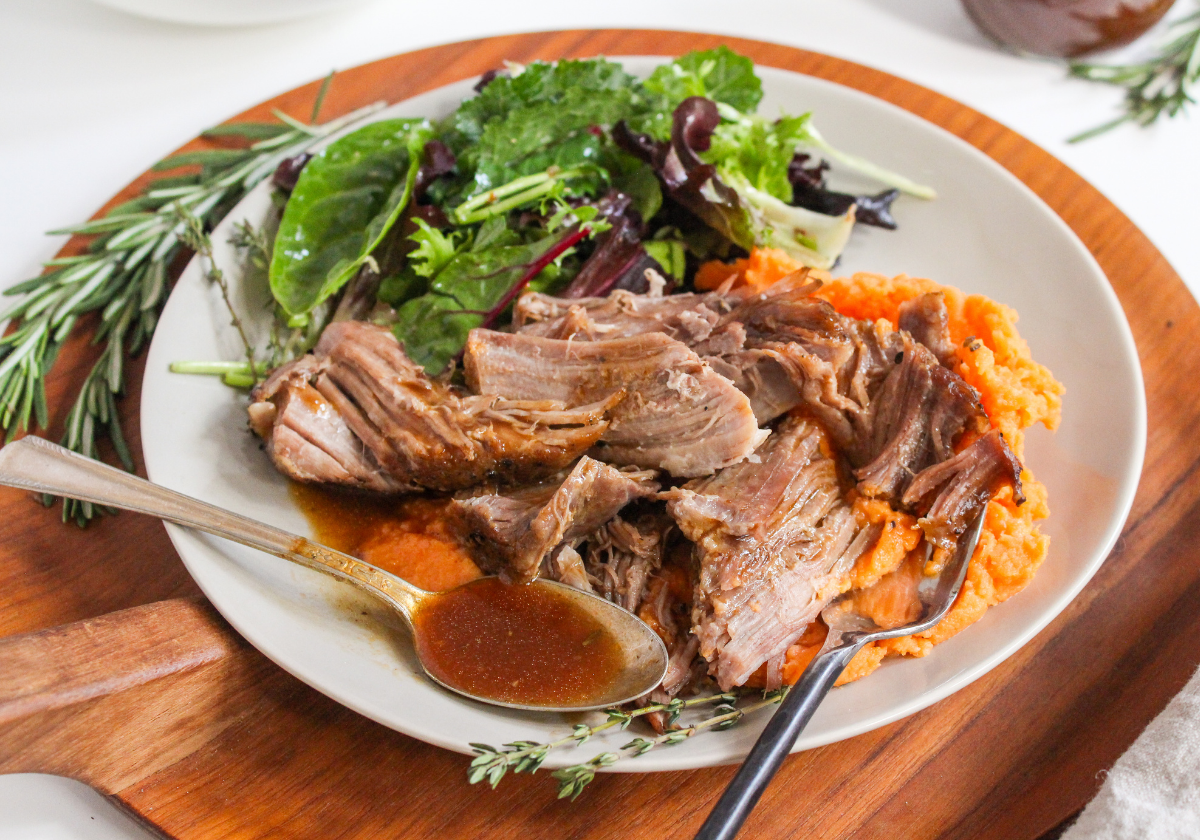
491, 764
194, 236
123, 277
1161, 86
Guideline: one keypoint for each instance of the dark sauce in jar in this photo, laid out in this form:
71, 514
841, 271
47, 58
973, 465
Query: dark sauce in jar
1065, 28
517, 644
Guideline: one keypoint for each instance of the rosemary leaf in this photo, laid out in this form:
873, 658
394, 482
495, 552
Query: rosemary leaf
1158, 87
203, 157
247, 130
122, 276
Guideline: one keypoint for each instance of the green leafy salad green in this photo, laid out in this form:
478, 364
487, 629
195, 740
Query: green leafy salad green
571, 178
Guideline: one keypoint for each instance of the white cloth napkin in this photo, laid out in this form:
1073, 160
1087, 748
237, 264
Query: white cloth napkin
1153, 791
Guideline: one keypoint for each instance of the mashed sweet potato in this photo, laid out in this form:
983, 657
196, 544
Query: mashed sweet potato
1017, 392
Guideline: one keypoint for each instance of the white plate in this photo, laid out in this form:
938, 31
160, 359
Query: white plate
986, 233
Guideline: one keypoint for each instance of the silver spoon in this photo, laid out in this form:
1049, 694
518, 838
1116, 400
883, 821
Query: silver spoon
43, 467
848, 633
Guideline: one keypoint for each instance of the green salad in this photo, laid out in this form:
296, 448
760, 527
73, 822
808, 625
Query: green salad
571, 178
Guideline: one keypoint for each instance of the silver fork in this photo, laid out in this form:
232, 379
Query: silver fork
848, 633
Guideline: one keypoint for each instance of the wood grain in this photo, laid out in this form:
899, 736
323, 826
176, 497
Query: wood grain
1011, 756
113, 700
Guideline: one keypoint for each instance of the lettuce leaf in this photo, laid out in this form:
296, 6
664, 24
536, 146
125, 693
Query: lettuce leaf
433, 327
812, 238
758, 151
535, 83
542, 116
434, 249
567, 133
719, 74
345, 201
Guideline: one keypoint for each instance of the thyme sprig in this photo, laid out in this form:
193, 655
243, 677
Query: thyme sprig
122, 279
491, 764
194, 237
1161, 86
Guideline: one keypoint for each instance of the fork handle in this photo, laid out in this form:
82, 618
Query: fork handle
775, 742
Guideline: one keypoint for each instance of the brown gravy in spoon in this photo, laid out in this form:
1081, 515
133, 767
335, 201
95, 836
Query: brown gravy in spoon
518, 644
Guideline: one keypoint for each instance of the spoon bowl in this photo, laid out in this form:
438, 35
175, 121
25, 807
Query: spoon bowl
639, 655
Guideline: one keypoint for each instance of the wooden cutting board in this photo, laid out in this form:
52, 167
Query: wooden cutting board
164, 708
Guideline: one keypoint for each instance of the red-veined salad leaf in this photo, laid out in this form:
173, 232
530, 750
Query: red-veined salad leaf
473, 289
810, 191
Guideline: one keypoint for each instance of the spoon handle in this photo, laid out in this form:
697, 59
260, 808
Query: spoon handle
775, 743
43, 467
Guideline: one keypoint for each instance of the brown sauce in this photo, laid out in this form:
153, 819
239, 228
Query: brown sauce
408, 537
517, 644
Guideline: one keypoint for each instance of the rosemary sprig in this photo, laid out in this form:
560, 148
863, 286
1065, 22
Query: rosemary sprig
491, 764
122, 278
1154, 88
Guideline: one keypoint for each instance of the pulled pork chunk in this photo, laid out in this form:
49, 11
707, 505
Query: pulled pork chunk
912, 422
952, 491
926, 319
517, 533
763, 380
886, 398
676, 414
775, 541
306, 437
622, 555
690, 318
834, 363
358, 412
666, 607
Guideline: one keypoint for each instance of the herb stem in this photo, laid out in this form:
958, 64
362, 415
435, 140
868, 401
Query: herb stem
122, 276
244, 381
211, 368
514, 194
1155, 88
572, 780
199, 241
527, 756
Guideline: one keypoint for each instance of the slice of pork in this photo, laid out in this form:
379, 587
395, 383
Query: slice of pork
515, 532
307, 439
358, 412
675, 413
775, 541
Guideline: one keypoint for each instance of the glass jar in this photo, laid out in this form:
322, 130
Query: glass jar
1065, 28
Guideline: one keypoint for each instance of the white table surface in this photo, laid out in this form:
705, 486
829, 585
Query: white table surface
90, 97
